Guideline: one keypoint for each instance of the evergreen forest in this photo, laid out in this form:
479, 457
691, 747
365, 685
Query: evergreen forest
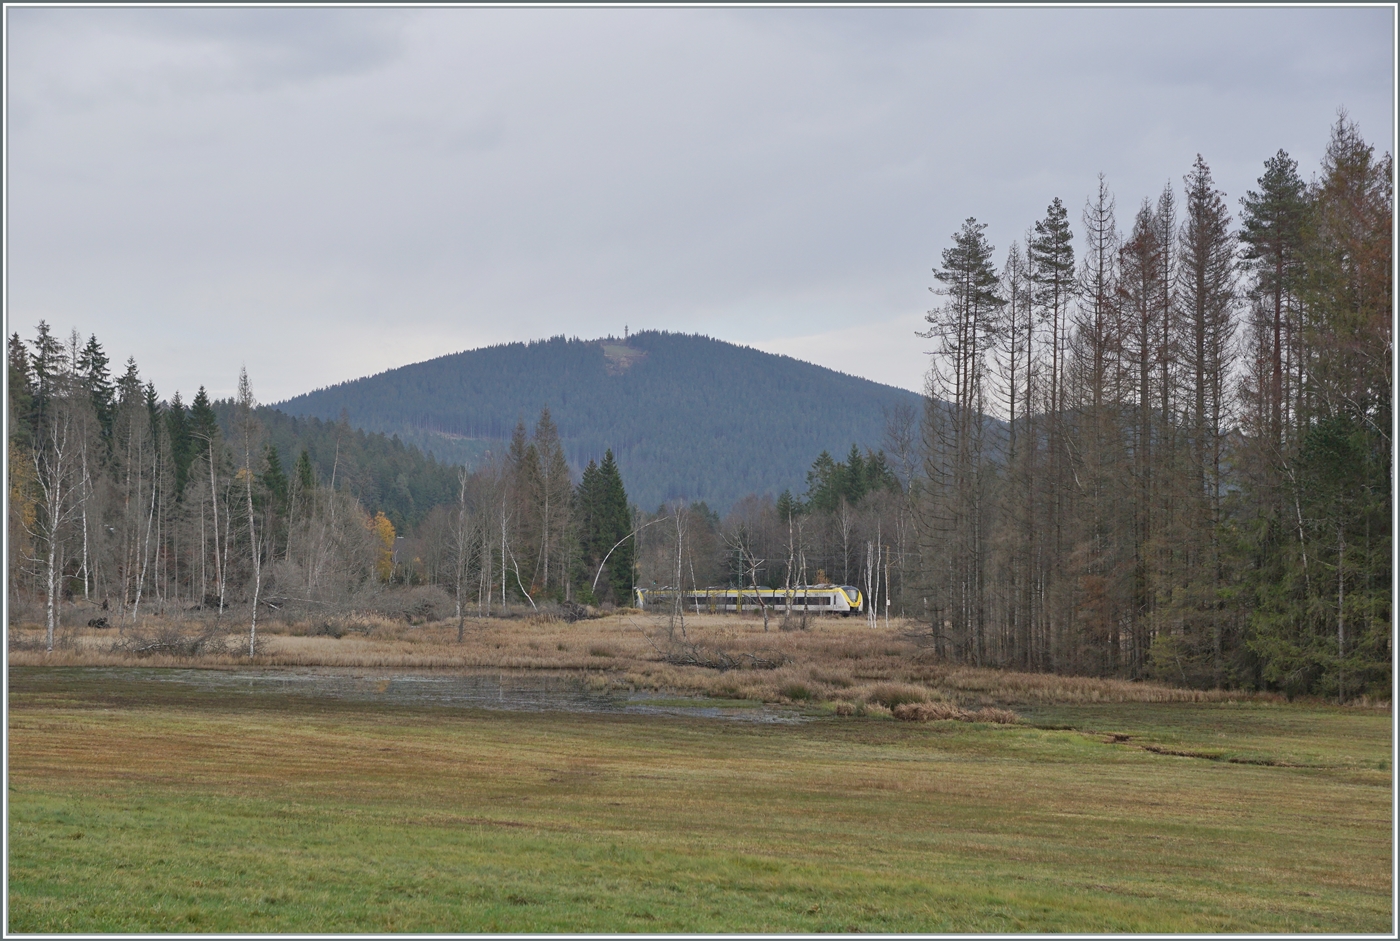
685, 416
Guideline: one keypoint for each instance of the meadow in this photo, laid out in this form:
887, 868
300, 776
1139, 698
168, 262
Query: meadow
1097, 806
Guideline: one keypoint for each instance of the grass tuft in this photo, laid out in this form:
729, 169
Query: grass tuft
797, 692
894, 695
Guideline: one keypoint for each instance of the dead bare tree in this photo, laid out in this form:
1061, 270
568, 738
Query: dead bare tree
247, 425
54, 467
678, 516
739, 540
463, 539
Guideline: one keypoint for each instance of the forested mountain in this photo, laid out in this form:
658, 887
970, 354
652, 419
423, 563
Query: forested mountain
685, 416
380, 471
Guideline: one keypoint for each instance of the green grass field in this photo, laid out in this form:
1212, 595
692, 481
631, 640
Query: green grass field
138, 806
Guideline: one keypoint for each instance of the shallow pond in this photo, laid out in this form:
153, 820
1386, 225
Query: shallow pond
517, 690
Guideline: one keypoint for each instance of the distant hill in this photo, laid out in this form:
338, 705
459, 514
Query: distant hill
686, 416
382, 473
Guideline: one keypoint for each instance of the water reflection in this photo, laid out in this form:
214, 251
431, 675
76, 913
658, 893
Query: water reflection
523, 691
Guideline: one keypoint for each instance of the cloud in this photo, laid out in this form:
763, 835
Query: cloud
322, 193
86, 59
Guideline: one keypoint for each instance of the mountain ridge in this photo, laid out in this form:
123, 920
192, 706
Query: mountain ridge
685, 415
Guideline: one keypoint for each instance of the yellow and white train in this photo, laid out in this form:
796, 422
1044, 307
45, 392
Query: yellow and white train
814, 599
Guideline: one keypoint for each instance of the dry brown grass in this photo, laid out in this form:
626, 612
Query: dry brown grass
843, 663
932, 711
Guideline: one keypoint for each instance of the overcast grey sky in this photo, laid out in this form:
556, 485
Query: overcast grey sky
322, 194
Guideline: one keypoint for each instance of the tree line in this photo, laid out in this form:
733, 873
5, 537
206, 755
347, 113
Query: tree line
1169, 456
131, 504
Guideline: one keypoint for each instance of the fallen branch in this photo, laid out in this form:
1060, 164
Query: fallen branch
171, 640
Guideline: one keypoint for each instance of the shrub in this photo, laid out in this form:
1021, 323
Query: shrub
891, 695
795, 691
928, 712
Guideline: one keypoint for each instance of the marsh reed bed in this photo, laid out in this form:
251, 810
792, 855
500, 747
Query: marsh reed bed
840, 665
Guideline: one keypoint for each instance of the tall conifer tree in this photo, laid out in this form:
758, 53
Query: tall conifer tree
957, 468
1208, 262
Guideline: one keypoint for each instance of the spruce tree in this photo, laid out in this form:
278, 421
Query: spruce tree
1271, 231
586, 523
1051, 254
153, 409
615, 523
823, 483
1271, 236
92, 363
789, 506
304, 473
878, 473
854, 482
1347, 287
48, 362
204, 424
1139, 292
177, 430
21, 388
274, 479
1207, 254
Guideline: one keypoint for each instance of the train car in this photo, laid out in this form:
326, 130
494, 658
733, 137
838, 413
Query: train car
814, 599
